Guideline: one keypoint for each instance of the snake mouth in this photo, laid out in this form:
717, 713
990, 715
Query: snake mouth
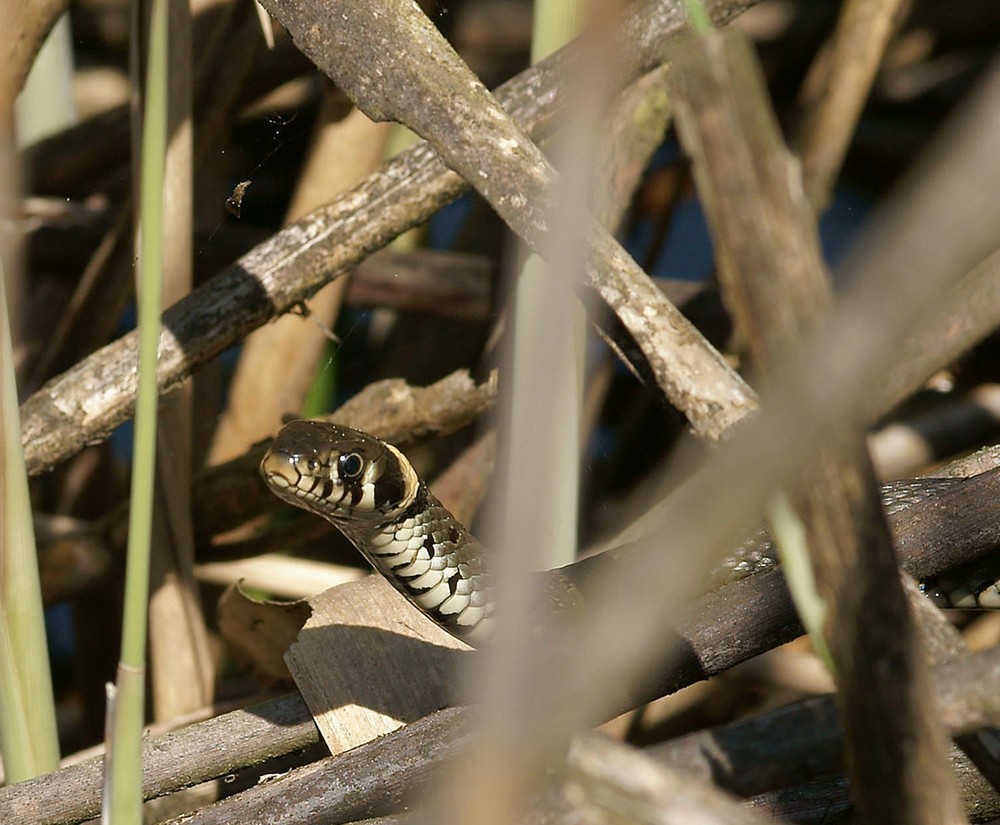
281, 472
279, 469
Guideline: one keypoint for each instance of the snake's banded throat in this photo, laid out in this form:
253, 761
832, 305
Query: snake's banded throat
344, 474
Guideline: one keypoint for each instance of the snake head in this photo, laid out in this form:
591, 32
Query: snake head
346, 475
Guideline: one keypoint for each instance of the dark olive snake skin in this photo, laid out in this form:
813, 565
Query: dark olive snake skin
368, 490
977, 586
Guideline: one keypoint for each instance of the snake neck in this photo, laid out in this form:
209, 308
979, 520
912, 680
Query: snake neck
429, 557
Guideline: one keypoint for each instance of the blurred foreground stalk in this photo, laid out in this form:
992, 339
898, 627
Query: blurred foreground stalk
28, 737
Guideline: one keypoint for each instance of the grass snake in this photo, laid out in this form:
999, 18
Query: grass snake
370, 492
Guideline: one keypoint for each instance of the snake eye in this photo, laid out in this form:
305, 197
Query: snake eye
350, 466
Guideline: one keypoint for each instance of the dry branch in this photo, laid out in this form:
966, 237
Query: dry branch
804, 740
848, 67
170, 762
337, 789
450, 284
84, 404
341, 788
909, 267
724, 628
371, 780
823, 801
422, 83
772, 274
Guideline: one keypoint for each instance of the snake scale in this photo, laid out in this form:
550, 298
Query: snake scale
368, 490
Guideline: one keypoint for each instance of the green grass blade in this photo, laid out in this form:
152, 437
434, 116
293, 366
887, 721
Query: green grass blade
555, 23
28, 735
123, 802
546, 392
698, 18
791, 543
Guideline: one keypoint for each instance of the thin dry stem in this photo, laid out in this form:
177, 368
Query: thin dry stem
848, 67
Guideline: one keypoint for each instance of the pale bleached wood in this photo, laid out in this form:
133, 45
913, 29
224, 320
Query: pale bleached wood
284, 577
368, 662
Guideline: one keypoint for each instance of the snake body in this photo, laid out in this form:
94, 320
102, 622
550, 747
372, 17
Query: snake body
973, 586
370, 492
